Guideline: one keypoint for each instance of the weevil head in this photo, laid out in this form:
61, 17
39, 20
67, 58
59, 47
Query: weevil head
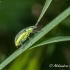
33, 27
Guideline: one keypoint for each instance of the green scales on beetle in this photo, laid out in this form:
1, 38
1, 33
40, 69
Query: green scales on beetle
24, 33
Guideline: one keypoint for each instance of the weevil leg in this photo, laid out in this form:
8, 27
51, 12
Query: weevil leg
42, 30
30, 39
35, 31
21, 44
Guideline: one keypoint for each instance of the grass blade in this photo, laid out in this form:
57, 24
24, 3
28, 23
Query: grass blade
53, 40
47, 3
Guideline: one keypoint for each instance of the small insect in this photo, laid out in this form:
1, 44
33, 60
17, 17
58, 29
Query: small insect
24, 33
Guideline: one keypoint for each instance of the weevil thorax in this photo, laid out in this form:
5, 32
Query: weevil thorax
30, 29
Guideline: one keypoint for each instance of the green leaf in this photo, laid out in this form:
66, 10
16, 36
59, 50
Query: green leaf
47, 3
53, 40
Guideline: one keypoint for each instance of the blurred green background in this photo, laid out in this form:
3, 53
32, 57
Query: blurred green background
18, 14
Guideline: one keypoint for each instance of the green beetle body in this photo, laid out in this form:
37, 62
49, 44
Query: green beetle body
23, 35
